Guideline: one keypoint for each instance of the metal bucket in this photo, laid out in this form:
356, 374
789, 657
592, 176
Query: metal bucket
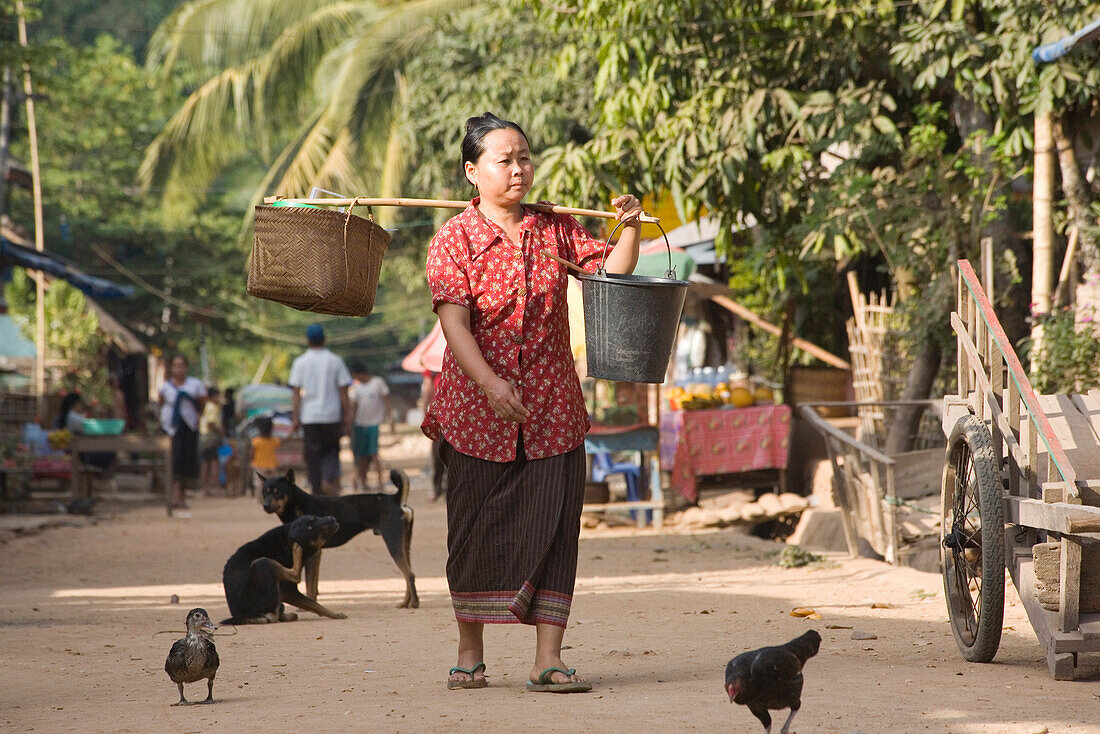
630, 321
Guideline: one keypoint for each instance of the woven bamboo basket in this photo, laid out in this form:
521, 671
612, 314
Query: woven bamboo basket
316, 259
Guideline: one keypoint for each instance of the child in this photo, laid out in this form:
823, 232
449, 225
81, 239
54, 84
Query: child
370, 405
264, 446
210, 438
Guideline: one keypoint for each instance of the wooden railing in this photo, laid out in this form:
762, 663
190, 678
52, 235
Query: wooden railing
986, 358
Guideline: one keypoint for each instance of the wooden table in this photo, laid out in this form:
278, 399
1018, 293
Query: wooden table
722, 441
135, 443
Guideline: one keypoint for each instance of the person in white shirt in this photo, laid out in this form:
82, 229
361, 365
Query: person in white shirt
370, 404
181, 399
319, 405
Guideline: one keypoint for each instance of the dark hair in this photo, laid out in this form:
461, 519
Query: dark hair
358, 368
70, 401
230, 392
213, 391
473, 144
266, 426
186, 361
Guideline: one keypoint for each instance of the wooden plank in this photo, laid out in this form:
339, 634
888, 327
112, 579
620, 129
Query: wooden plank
840, 498
1016, 371
1060, 517
922, 471
1069, 595
825, 356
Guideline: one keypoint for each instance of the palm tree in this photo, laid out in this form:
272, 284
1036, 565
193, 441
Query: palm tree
312, 88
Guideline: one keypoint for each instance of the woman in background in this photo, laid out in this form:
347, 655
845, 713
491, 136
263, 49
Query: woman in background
181, 399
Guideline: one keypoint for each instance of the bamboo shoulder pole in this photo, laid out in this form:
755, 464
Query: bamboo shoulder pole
452, 204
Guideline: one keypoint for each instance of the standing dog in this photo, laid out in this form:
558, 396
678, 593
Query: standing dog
387, 515
265, 572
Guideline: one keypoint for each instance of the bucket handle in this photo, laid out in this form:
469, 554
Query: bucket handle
670, 273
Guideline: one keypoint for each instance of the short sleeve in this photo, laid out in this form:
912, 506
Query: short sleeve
447, 276
200, 389
580, 246
343, 377
295, 379
383, 388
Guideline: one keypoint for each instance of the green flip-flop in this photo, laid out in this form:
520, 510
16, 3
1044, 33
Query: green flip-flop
472, 683
544, 684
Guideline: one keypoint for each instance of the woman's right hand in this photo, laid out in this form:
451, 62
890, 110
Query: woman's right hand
505, 400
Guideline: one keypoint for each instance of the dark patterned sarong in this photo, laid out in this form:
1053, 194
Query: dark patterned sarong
512, 534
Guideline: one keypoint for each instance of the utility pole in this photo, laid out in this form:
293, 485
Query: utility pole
39, 233
5, 134
1042, 232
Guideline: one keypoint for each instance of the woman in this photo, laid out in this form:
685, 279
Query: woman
71, 418
508, 410
181, 399
69, 415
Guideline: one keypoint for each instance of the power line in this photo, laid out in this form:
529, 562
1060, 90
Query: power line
873, 8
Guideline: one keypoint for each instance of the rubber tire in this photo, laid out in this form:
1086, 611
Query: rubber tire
970, 432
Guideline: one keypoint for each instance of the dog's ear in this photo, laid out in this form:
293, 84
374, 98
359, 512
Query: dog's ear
289, 476
261, 476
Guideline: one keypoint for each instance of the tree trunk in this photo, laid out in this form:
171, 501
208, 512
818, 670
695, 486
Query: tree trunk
1079, 196
906, 420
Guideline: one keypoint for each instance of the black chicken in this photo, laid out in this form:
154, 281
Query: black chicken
194, 657
771, 678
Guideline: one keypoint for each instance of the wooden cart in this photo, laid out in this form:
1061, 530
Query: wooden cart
1021, 488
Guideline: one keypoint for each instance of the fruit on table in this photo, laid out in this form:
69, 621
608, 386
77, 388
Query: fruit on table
762, 394
699, 396
740, 397
59, 439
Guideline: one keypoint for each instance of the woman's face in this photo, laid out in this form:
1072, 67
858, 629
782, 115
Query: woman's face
178, 369
504, 172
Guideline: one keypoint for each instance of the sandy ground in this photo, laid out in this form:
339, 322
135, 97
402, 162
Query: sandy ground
655, 618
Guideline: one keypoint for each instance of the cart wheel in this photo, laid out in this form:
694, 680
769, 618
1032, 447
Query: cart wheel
973, 549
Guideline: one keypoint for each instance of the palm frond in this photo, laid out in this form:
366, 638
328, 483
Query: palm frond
286, 67
331, 64
220, 33
201, 137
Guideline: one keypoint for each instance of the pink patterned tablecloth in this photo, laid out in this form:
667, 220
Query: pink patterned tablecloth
722, 441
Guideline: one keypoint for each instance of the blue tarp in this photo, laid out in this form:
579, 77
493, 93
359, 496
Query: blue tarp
12, 342
25, 257
1058, 49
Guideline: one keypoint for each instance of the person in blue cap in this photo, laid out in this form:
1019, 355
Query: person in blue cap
320, 406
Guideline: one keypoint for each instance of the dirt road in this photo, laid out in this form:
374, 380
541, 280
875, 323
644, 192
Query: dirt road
655, 618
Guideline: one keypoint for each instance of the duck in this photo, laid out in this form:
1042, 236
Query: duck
194, 657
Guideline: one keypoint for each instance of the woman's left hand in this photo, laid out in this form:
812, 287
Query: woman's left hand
627, 209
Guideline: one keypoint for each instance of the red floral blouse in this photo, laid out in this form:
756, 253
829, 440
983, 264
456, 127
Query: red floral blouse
519, 318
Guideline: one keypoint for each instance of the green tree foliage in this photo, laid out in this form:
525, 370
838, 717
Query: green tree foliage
477, 61
72, 332
98, 109
312, 89
885, 131
81, 22
1069, 360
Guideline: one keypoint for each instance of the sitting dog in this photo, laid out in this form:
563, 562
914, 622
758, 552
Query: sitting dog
265, 572
387, 515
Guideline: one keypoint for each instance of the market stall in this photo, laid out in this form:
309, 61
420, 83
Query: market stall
696, 443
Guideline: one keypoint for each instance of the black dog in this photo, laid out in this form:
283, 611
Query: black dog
387, 515
265, 572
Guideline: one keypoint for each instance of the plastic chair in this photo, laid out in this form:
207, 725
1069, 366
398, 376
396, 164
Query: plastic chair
603, 466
